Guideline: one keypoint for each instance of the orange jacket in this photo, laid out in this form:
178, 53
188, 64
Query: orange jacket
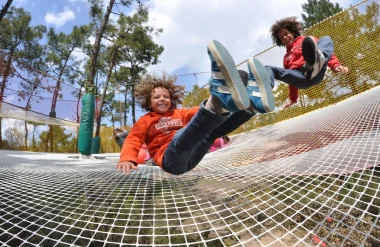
293, 59
156, 130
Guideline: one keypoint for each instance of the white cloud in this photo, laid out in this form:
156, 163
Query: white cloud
59, 19
242, 26
92, 39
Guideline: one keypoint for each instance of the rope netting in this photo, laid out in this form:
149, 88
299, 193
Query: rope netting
312, 180
24, 88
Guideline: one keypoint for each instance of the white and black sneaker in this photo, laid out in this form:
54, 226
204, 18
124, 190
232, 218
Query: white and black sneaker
314, 58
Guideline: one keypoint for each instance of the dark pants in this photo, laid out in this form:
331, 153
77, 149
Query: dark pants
191, 143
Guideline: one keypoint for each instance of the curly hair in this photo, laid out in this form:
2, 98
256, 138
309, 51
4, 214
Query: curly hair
289, 23
143, 90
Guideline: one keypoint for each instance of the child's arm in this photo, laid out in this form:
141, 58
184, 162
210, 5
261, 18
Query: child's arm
131, 147
336, 66
293, 96
189, 113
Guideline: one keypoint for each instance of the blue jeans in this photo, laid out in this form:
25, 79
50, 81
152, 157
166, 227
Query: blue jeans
191, 143
297, 77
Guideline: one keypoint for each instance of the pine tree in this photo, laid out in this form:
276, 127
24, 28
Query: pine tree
318, 10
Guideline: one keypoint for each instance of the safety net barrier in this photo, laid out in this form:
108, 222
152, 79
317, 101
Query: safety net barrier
312, 180
37, 110
355, 33
32, 90
11, 111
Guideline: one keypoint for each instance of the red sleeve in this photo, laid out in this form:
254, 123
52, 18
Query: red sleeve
293, 93
189, 113
132, 144
333, 62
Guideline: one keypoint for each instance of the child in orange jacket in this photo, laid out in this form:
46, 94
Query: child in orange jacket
306, 58
178, 139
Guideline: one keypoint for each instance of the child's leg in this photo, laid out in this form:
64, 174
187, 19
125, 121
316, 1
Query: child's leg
316, 55
178, 157
260, 87
326, 46
227, 94
225, 84
234, 121
294, 77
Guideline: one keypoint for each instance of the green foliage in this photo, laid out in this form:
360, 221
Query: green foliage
318, 10
61, 47
196, 96
355, 36
14, 137
137, 49
63, 142
17, 37
113, 109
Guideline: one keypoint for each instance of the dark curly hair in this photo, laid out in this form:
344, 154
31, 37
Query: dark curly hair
143, 90
289, 23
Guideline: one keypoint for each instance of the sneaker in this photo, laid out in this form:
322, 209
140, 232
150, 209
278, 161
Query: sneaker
225, 82
259, 87
314, 58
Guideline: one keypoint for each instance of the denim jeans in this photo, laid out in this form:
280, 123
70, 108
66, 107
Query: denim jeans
191, 143
296, 77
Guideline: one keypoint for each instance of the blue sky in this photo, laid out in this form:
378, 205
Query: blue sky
241, 25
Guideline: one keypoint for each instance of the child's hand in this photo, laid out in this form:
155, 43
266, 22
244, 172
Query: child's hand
341, 69
126, 166
289, 104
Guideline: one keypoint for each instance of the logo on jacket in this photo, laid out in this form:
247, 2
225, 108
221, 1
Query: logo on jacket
167, 124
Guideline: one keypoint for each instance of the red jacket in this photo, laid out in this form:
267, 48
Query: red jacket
293, 59
156, 130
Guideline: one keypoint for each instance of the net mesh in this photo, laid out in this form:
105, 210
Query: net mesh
32, 92
312, 180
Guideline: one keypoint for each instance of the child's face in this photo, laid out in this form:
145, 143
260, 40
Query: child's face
286, 36
160, 100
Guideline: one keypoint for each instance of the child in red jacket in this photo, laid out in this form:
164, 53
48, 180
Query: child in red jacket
178, 139
306, 58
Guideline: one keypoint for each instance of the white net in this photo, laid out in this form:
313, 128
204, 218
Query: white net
14, 112
312, 180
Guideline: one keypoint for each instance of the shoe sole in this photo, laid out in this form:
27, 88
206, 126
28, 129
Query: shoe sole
227, 66
263, 83
309, 50
311, 56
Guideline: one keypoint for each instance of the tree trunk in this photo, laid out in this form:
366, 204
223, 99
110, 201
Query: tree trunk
124, 113
26, 136
96, 47
4, 10
1, 135
133, 104
54, 102
78, 103
51, 139
99, 117
47, 141
2, 89
5, 77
